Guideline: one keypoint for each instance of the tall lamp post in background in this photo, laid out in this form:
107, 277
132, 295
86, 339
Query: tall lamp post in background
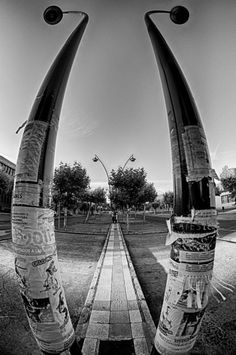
96, 159
33, 233
131, 158
193, 226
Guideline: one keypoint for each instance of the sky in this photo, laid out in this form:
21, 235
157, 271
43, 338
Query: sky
114, 104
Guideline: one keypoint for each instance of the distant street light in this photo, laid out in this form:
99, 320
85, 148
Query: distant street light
131, 158
96, 159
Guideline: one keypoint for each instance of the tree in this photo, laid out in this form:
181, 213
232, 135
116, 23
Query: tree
168, 198
218, 190
70, 184
127, 186
93, 198
6, 188
229, 184
155, 205
148, 193
5, 184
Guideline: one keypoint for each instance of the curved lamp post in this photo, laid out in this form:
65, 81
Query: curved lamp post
36, 261
131, 158
193, 226
96, 159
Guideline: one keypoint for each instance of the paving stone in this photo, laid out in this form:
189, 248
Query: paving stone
119, 295
132, 305
99, 331
141, 347
103, 293
107, 263
89, 346
120, 331
101, 305
119, 317
119, 305
137, 330
100, 317
135, 316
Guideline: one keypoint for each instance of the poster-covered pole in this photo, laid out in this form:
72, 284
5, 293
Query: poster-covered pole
193, 225
36, 261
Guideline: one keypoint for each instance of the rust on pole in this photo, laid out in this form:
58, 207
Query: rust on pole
36, 261
193, 225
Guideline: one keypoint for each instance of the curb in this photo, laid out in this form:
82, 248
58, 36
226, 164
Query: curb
82, 325
143, 307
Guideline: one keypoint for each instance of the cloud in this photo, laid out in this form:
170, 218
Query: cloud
78, 126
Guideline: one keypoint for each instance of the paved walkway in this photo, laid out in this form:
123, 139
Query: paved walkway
115, 314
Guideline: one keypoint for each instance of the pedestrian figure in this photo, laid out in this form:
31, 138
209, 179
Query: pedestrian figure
114, 217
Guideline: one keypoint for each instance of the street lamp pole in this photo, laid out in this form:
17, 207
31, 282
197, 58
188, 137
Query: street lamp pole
33, 234
96, 159
131, 158
193, 225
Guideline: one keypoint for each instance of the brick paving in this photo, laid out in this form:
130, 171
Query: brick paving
115, 309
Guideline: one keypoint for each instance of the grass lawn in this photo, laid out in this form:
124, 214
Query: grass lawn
78, 254
146, 244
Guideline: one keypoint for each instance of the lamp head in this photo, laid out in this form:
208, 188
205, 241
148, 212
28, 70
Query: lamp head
53, 15
132, 158
95, 159
179, 15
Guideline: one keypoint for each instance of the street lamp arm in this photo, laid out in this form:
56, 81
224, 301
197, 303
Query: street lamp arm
75, 12
179, 14
98, 159
131, 158
156, 12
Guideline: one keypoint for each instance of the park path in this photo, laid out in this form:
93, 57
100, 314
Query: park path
115, 314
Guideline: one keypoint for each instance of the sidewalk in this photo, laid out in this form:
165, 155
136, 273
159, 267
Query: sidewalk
115, 315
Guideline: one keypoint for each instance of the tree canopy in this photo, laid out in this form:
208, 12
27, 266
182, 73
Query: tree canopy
129, 187
6, 184
228, 179
97, 195
70, 184
168, 198
229, 184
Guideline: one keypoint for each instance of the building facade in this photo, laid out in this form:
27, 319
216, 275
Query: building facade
9, 168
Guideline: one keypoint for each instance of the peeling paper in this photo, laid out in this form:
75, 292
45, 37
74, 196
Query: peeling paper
196, 153
173, 236
27, 194
177, 330
37, 270
30, 151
